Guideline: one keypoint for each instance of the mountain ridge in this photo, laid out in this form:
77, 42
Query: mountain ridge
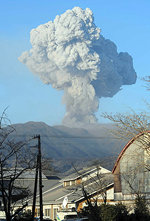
64, 144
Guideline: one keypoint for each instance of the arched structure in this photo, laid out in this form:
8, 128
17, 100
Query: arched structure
131, 170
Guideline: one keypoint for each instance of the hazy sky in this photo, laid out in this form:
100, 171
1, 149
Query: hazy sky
126, 23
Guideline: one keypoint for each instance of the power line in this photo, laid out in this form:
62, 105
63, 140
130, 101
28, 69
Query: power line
67, 137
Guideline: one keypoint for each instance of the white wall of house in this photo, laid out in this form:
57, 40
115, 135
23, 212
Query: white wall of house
50, 210
110, 194
96, 172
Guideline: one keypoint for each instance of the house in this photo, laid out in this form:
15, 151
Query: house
130, 176
131, 170
23, 186
96, 181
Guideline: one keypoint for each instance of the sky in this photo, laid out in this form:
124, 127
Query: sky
126, 23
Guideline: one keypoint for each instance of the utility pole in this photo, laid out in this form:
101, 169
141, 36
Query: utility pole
35, 189
40, 179
38, 170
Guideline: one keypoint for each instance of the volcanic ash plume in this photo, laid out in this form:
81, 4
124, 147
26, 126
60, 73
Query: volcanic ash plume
70, 54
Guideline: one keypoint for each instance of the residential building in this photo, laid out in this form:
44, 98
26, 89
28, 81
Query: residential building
96, 181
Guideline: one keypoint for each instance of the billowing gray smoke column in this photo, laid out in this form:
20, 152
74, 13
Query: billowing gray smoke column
71, 55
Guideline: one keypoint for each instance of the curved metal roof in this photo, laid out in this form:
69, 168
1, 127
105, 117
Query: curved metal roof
125, 148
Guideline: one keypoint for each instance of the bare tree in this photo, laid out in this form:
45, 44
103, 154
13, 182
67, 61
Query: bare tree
93, 187
133, 172
128, 126
137, 126
15, 159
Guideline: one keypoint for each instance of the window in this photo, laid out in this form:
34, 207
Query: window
67, 183
47, 212
73, 182
55, 212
